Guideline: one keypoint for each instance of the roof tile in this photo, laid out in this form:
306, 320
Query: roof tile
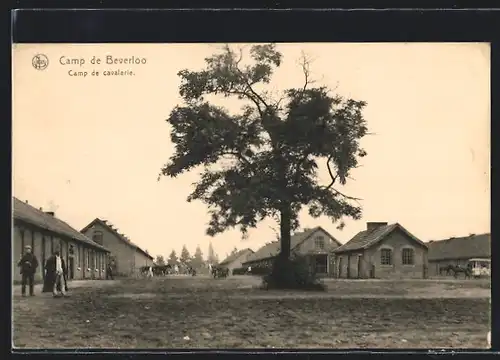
27, 213
236, 255
114, 230
365, 238
467, 247
272, 249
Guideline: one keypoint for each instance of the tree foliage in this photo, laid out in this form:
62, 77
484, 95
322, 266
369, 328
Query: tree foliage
212, 256
275, 144
197, 261
160, 261
172, 259
185, 257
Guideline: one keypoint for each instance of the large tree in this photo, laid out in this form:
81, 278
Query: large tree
275, 144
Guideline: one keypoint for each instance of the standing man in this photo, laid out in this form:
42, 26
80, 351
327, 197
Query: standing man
109, 272
28, 265
55, 278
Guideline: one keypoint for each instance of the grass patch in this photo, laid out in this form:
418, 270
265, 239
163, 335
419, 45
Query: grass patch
222, 314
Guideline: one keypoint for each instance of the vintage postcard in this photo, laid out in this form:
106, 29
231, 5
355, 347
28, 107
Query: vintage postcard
305, 195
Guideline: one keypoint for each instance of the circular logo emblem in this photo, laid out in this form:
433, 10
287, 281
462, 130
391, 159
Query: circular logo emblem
40, 62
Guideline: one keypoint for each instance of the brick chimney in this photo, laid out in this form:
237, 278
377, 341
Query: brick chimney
51, 213
370, 226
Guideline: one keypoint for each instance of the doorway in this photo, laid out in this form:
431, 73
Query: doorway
359, 267
339, 272
43, 258
321, 264
71, 268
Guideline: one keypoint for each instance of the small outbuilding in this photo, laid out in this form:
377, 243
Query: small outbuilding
382, 251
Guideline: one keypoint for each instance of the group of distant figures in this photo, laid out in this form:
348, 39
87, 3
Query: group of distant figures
163, 270
223, 272
218, 271
456, 270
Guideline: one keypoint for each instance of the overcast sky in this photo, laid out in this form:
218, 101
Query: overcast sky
93, 147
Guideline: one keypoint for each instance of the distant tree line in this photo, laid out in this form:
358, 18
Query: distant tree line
196, 261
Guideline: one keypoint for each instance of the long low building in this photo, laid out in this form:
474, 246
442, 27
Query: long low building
127, 257
236, 260
458, 251
45, 233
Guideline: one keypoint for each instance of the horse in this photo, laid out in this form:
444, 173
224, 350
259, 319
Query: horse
191, 271
456, 270
466, 270
161, 270
143, 270
220, 272
448, 270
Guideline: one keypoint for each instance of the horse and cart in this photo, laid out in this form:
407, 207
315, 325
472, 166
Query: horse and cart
476, 268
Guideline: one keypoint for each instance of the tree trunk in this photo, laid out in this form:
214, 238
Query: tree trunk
285, 232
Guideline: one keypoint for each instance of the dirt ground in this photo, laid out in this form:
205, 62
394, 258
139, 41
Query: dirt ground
233, 313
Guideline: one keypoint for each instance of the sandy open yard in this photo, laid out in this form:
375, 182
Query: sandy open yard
199, 312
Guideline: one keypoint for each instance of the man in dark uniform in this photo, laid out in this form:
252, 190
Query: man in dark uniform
28, 265
55, 275
109, 271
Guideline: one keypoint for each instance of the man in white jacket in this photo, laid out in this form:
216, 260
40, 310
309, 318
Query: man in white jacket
55, 277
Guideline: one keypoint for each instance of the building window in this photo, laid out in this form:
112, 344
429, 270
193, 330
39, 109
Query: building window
97, 237
321, 266
408, 257
319, 243
386, 257
87, 260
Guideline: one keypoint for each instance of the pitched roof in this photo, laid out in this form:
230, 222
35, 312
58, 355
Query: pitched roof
472, 246
31, 215
236, 255
105, 224
272, 249
365, 239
